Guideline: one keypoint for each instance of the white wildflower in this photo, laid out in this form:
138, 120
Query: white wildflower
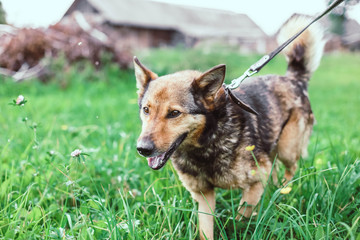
76, 153
20, 100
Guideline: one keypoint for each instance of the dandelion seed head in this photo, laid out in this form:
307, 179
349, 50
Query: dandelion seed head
134, 193
69, 183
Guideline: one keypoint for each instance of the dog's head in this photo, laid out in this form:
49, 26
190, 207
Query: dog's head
173, 108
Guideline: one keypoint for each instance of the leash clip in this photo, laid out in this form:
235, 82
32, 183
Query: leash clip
261, 63
237, 81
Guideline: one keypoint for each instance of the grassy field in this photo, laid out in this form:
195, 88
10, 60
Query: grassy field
111, 193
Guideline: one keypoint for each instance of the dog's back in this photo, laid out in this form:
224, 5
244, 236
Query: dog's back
282, 101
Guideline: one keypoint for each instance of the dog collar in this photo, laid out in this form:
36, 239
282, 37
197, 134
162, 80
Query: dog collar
238, 102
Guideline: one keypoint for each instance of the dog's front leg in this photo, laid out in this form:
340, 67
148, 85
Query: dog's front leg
251, 196
206, 209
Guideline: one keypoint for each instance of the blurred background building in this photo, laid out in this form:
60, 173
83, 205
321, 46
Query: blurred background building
85, 29
154, 24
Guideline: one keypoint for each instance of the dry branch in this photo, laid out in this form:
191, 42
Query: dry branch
21, 50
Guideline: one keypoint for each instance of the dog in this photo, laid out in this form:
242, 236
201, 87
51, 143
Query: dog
189, 117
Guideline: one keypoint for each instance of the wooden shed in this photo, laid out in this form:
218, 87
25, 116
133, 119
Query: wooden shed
141, 23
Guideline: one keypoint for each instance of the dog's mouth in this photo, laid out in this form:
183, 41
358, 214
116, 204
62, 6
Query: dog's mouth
159, 161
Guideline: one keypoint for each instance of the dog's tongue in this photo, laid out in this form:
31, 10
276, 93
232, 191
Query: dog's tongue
156, 162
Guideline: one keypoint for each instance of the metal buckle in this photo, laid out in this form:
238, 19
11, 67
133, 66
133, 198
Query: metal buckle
237, 81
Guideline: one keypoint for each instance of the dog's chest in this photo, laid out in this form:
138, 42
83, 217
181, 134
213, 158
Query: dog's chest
226, 173
216, 165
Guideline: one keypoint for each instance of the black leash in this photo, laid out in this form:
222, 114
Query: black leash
256, 67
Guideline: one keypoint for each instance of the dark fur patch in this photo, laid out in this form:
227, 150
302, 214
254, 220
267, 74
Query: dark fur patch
257, 96
219, 140
296, 65
228, 126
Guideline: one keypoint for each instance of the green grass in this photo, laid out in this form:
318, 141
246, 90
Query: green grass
112, 194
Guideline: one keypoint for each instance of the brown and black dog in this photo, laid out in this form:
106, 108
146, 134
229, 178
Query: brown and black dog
189, 117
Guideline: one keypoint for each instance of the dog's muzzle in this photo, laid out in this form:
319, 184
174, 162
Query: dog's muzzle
146, 148
157, 160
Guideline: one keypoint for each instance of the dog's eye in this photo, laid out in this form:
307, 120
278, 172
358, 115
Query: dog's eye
146, 110
174, 114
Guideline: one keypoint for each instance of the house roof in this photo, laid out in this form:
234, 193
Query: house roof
195, 22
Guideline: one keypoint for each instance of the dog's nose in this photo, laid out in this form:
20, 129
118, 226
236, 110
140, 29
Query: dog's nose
145, 148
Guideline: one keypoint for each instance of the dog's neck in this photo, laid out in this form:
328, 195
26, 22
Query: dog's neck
217, 144
218, 141
221, 122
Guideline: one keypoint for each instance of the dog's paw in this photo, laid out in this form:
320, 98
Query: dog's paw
246, 212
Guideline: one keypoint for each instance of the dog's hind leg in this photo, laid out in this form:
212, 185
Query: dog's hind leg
307, 134
206, 210
294, 139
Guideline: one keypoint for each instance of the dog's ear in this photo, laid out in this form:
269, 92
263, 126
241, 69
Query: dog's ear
143, 76
211, 81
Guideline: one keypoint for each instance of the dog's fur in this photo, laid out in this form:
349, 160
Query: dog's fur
187, 115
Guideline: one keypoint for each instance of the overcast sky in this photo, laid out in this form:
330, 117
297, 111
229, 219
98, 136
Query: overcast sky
34, 12
268, 14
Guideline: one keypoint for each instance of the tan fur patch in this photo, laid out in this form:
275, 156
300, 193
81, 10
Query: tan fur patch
164, 95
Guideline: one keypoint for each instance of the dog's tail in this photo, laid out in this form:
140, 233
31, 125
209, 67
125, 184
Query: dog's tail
304, 53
